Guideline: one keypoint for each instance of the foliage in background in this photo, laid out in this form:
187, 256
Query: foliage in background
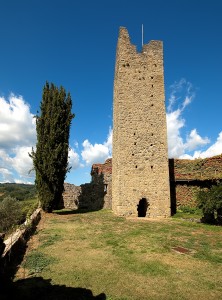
14, 212
51, 156
10, 213
188, 213
18, 191
210, 201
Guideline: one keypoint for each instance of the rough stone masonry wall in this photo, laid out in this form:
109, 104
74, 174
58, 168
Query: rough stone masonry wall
187, 177
71, 196
140, 162
92, 196
104, 171
197, 169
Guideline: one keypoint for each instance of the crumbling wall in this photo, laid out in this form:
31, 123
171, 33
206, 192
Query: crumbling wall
197, 169
104, 170
187, 177
71, 196
94, 195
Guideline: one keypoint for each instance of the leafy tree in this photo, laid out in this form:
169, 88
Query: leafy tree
10, 213
210, 201
51, 156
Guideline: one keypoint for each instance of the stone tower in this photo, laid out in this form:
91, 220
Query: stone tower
140, 175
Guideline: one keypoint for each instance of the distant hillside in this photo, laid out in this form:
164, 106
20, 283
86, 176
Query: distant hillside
18, 191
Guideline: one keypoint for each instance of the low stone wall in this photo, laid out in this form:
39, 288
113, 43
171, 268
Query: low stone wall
14, 246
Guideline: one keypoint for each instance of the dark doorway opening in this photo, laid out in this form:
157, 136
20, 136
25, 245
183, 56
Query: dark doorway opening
142, 207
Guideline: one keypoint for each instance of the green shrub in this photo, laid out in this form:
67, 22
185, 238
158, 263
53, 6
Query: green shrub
189, 210
210, 201
10, 213
28, 207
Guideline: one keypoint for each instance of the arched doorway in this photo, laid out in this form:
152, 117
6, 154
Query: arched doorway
142, 207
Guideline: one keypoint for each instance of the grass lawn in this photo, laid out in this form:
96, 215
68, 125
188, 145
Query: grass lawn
97, 255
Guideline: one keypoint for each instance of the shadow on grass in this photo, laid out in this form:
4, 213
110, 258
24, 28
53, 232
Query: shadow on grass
38, 288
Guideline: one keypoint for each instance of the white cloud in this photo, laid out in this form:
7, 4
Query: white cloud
175, 142
17, 124
6, 175
214, 149
17, 165
73, 159
177, 146
97, 153
17, 136
22, 163
194, 140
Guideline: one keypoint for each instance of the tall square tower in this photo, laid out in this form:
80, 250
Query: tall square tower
140, 175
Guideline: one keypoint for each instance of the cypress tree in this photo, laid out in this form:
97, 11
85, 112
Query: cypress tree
50, 159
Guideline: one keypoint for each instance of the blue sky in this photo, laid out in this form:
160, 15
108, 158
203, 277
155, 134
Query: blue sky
73, 44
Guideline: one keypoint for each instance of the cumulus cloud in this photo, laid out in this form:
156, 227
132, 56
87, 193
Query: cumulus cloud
17, 124
175, 142
17, 136
6, 175
74, 162
214, 149
97, 152
16, 166
22, 163
194, 140
182, 94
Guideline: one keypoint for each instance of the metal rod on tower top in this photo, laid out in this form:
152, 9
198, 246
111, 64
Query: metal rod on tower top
142, 35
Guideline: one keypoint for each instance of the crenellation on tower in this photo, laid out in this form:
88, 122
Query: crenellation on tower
140, 163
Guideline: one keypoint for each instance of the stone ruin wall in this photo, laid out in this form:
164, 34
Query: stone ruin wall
187, 177
197, 169
104, 172
94, 195
71, 195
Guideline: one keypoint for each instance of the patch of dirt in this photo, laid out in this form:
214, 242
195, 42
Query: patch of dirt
146, 219
181, 250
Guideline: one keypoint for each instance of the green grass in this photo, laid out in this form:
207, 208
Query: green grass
125, 259
190, 213
37, 261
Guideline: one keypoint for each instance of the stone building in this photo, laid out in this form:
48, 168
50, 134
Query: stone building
140, 175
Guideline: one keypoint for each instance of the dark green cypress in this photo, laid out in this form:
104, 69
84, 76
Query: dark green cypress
50, 159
